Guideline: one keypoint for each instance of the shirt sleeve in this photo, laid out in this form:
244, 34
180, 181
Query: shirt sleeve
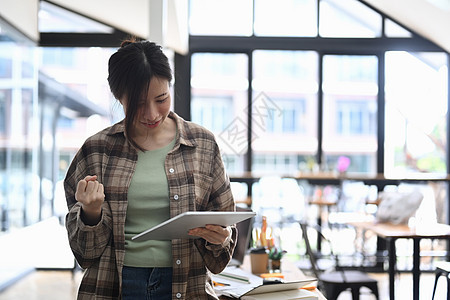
216, 257
87, 242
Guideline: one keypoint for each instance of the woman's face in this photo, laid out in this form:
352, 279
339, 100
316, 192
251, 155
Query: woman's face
153, 108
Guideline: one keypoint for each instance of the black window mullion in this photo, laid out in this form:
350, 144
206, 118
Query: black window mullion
249, 156
381, 113
320, 111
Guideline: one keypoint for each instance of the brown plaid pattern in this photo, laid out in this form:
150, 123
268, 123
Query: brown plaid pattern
197, 182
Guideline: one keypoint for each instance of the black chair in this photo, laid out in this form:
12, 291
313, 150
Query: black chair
333, 282
442, 268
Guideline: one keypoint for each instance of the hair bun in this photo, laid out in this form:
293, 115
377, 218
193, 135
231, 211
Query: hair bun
128, 41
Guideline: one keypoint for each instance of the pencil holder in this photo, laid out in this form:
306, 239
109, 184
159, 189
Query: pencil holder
259, 260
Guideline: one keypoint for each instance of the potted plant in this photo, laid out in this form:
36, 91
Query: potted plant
275, 255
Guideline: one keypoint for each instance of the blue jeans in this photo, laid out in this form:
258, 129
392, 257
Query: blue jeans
146, 283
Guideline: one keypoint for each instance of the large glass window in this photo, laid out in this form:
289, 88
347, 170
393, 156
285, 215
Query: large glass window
350, 89
416, 112
19, 130
284, 126
82, 72
283, 109
219, 102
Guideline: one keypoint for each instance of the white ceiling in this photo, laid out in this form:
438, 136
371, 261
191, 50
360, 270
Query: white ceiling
429, 18
23, 15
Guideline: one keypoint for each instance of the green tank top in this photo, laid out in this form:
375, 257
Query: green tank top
148, 205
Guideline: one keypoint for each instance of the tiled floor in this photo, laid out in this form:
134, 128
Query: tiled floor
48, 285
61, 285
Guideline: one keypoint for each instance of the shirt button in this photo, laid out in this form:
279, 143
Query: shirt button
178, 262
175, 197
171, 170
178, 295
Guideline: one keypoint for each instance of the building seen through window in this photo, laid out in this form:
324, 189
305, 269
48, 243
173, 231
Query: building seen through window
219, 83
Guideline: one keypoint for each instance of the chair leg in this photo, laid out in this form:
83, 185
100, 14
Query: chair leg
448, 287
438, 274
329, 291
332, 291
374, 289
355, 292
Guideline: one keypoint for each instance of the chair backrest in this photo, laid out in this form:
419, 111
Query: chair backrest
309, 251
309, 228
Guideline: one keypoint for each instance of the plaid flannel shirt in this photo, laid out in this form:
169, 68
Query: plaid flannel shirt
197, 182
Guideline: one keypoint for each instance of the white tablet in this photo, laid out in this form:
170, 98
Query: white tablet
178, 227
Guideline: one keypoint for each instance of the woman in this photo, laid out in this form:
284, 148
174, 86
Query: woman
149, 167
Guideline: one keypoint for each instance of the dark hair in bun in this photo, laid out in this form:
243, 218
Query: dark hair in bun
128, 41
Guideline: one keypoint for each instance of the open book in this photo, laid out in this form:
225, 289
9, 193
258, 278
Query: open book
239, 284
285, 295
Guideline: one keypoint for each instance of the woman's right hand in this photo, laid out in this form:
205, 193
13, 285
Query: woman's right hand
90, 194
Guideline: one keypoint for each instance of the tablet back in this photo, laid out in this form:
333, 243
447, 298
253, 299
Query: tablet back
243, 241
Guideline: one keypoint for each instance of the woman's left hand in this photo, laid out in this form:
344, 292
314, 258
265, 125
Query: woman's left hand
214, 234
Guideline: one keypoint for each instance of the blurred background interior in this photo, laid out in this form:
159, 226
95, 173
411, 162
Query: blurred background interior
320, 108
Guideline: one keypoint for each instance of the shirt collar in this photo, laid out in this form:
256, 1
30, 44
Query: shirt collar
185, 134
184, 131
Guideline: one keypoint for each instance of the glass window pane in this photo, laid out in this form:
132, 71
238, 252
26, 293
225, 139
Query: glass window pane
284, 110
5, 112
286, 18
58, 57
349, 118
416, 112
6, 62
392, 29
221, 17
53, 18
219, 101
348, 18
81, 69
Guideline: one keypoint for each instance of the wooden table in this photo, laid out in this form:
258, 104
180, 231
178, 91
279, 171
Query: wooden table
288, 269
321, 178
392, 232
